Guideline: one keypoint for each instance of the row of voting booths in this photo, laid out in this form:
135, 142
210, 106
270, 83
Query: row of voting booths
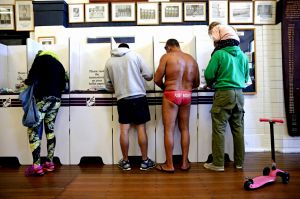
87, 122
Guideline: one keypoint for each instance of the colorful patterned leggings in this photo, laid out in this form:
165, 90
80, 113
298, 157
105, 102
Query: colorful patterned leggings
48, 108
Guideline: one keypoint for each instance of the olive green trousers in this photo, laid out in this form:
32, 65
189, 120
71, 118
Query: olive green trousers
228, 107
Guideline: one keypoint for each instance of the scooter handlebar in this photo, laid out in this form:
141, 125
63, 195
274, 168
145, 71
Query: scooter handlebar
271, 120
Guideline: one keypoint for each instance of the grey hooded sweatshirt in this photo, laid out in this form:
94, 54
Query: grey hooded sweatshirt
124, 73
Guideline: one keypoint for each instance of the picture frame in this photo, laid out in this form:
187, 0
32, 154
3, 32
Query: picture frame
248, 46
241, 12
96, 12
24, 16
123, 11
218, 12
47, 40
76, 13
7, 20
265, 12
171, 12
147, 14
194, 11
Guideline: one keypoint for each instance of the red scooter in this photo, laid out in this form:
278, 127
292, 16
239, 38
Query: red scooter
269, 175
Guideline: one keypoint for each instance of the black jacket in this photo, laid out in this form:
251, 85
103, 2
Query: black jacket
49, 75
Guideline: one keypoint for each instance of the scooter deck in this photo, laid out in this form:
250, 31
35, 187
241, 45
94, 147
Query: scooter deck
261, 181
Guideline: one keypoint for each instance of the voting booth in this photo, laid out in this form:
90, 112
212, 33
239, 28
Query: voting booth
87, 122
144, 50
14, 138
90, 107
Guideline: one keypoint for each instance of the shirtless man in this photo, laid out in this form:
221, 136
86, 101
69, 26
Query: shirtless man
181, 74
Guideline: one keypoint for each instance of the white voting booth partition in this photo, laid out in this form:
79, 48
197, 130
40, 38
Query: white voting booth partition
187, 45
3, 66
13, 136
204, 49
61, 128
90, 112
143, 49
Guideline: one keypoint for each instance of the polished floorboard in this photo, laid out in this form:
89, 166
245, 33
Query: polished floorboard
108, 181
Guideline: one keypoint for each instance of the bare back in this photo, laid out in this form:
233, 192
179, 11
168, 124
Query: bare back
181, 71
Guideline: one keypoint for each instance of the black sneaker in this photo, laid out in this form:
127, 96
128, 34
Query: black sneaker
147, 164
124, 165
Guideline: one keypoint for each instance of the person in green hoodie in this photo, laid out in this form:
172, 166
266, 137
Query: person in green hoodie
227, 72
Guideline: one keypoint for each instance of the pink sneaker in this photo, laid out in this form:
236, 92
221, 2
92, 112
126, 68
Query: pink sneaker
34, 170
48, 166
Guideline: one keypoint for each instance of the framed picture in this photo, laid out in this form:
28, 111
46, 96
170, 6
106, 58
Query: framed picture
7, 17
97, 12
218, 11
195, 11
147, 13
241, 12
123, 11
171, 12
24, 16
248, 46
76, 13
264, 12
46, 40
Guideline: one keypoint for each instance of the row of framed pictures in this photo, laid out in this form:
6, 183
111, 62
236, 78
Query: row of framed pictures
23, 15
147, 13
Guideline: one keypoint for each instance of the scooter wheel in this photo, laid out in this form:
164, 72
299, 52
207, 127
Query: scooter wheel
247, 184
285, 176
266, 171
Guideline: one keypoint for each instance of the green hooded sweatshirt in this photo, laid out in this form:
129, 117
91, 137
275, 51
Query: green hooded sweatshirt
227, 69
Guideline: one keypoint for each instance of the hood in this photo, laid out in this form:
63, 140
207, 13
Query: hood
119, 52
233, 50
224, 32
48, 52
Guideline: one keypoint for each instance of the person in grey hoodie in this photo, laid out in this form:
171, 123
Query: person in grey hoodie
124, 74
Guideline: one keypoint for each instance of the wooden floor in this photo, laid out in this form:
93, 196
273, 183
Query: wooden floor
92, 181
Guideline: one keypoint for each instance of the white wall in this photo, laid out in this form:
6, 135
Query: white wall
267, 102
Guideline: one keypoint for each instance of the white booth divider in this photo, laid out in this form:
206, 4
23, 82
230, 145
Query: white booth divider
90, 114
91, 128
3, 66
17, 68
87, 65
13, 135
13, 68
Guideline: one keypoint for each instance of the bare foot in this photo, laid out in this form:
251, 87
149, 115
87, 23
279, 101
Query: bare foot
185, 166
164, 168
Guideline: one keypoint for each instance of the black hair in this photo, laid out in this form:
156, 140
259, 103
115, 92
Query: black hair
123, 45
172, 42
